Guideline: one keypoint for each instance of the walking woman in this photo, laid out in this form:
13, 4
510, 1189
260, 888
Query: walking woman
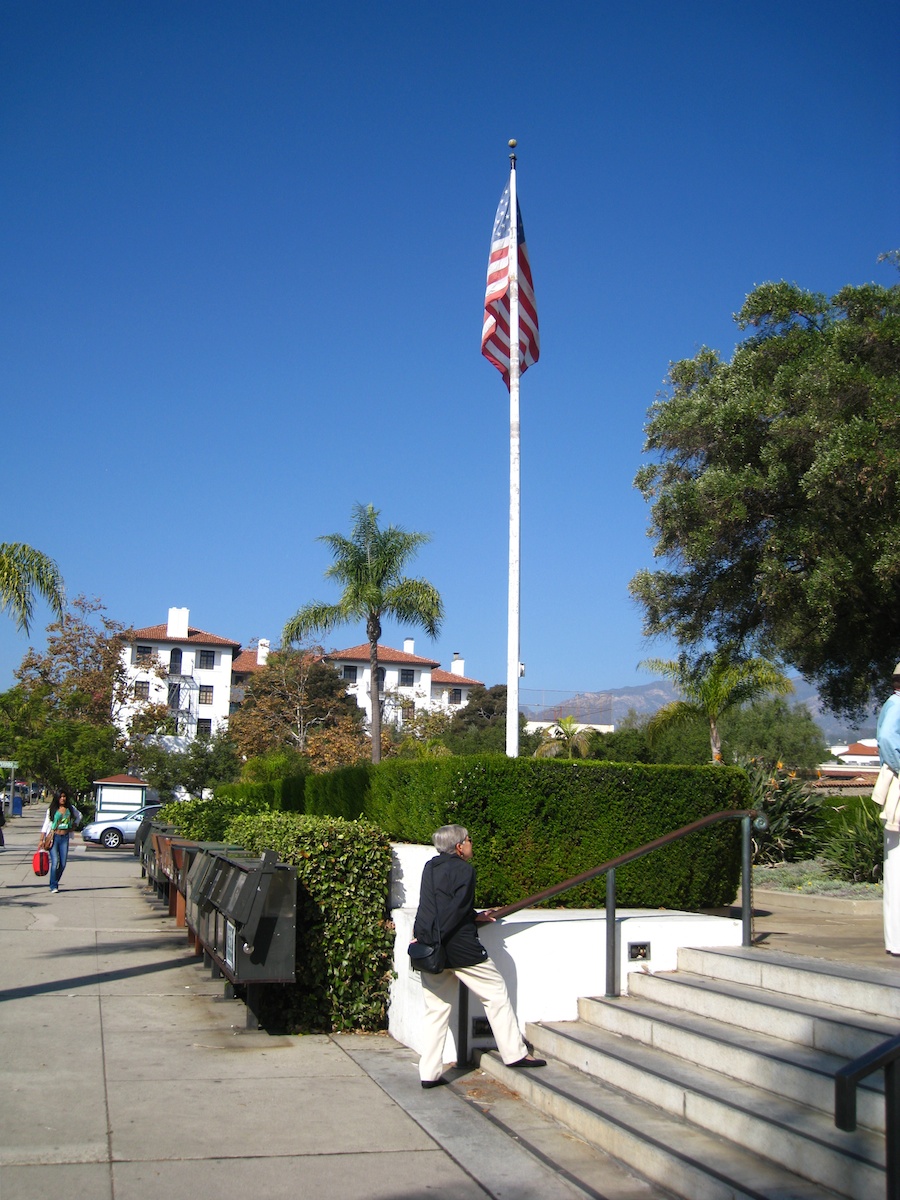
62, 817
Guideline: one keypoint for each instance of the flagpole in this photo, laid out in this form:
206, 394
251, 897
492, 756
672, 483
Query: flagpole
513, 624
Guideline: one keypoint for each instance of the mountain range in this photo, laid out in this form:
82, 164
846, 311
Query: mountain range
612, 706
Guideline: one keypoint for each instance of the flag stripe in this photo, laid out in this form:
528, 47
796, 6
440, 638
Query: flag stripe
495, 335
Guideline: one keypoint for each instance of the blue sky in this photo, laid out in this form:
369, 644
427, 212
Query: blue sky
244, 250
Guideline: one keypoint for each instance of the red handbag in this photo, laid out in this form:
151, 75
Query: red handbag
41, 862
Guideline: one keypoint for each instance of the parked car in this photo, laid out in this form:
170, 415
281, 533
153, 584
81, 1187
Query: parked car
118, 831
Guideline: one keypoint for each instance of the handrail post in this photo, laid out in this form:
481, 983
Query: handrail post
612, 957
892, 1126
746, 881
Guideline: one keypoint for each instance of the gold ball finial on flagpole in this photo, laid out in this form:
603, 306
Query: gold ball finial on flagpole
512, 143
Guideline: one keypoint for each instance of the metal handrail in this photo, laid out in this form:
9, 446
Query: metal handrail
745, 815
885, 1056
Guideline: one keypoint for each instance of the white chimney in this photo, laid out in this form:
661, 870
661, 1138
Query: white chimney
177, 628
262, 651
409, 645
458, 666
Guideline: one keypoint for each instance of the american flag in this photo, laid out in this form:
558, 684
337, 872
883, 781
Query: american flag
495, 331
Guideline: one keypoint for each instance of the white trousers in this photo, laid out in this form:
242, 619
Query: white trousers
892, 891
439, 992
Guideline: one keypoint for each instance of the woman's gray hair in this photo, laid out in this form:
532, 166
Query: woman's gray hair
448, 837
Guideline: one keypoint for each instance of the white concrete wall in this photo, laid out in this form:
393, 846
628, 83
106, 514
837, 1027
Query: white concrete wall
548, 957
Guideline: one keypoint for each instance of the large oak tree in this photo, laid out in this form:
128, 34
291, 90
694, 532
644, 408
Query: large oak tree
775, 486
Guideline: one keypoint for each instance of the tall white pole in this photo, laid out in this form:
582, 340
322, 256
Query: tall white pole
513, 630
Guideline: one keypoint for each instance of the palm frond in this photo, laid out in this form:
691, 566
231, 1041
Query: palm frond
25, 573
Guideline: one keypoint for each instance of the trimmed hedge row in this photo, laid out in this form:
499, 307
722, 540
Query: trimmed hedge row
282, 795
344, 935
536, 822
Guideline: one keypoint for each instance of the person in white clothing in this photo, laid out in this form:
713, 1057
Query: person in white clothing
888, 734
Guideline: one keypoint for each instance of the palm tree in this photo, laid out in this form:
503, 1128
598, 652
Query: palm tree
25, 571
564, 737
711, 686
369, 565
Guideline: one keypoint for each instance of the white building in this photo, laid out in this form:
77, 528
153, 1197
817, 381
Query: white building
193, 673
407, 683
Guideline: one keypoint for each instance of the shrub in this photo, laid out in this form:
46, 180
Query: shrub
794, 815
344, 935
536, 822
206, 820
341, 793
854, 848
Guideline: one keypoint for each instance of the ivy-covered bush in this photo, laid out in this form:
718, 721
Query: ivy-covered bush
536, 822
344, 934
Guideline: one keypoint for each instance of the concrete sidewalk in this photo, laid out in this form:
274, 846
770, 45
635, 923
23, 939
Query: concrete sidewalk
126, 1075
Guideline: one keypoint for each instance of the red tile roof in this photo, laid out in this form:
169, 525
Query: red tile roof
386, 654
159, 633
448, 677
244, 662
124, 780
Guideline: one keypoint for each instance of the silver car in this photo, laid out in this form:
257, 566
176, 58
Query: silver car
118, 831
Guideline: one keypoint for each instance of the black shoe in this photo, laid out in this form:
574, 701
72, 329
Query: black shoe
430, 1083
528, 1061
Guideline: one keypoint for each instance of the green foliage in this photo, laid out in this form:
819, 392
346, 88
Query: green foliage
207, 820
480, 727
344, 935
775, 484
854, 847
794, 814
711, 685
774, 731
536, 822
340, 793
25, 573
206, 762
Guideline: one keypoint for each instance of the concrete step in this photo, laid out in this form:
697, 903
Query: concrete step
873, 990
665, 1148
830, 1028
757, 1120
791, 1070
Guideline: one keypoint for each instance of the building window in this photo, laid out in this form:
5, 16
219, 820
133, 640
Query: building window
142, 689
175, 662
379, 675
349, 675
174, 696
407, 677
206, 693
143, 654
207, 660
408, 711
204, 727
456, 695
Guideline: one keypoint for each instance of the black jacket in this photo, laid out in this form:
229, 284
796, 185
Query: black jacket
447, 910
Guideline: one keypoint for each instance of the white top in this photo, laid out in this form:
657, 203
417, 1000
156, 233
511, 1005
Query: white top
45, 828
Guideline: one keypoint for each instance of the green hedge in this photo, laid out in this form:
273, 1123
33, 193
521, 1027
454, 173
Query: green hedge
344, 934
340, 793
207, 820
282, 795
536, 822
